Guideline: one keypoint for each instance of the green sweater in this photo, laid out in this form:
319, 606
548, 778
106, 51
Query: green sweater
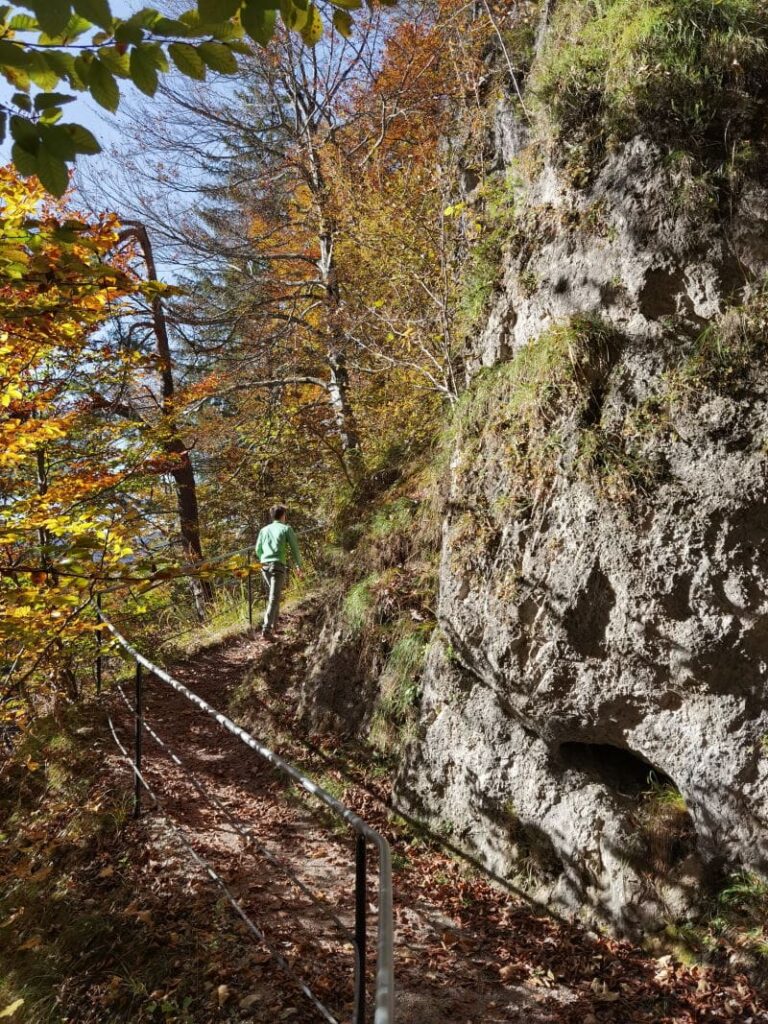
273, 542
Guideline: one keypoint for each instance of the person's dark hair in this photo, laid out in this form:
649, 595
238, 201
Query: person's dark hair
278, 511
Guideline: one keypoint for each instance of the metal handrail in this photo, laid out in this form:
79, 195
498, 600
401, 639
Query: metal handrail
385, 986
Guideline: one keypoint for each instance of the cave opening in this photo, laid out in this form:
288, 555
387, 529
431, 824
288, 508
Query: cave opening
659, 818
616, 767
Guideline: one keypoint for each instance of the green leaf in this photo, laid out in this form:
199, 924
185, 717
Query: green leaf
118, 63
170, 27
143, 70
24, 162
82, 68
52, 15
52, 172
103, 87
83, 140
187, 60
58, 141
3, 125
219, 57
16, 77
20, 99
96, 11
64, 66
41, 73
258, 22
343, 23
349, 5
312, 31
217, 10
159, 56
76, 26
238, 46
13, 55
44, 100
23, 23
128, 33
51, 115
24, 133
147, 17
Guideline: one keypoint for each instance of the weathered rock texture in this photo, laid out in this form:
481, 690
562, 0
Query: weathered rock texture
592, 637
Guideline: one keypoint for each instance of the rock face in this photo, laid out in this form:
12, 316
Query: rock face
603, 643
593, 720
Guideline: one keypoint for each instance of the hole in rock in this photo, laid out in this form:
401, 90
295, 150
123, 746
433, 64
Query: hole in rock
616, 767
659, 818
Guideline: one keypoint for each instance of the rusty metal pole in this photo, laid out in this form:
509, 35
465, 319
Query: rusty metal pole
250, 594
139, 723
98, 644
360, 930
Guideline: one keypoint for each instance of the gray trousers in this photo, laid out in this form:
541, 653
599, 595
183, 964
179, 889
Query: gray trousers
275, 576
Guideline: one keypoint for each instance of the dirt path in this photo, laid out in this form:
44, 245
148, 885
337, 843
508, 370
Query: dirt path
466, 951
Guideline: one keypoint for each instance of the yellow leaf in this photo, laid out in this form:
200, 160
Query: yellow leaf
342, 22
313, 28
10, 1010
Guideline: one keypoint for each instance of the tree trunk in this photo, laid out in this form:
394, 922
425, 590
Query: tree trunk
338, 385
183, 471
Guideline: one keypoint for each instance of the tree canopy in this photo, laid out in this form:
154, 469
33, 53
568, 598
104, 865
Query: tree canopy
50, 50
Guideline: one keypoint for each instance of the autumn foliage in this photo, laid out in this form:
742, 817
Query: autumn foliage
67, 467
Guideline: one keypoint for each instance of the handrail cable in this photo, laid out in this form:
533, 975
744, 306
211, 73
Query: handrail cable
384, 999
192, 569
242, 830
212, 873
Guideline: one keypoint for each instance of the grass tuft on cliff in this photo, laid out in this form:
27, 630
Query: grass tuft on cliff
692, 74
515, 416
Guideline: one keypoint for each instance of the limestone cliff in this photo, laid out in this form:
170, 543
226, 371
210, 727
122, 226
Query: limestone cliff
594, 714
608, 634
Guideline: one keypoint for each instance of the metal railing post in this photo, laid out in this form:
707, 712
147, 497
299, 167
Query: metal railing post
139, 715
98, 644
250, 594
360, 929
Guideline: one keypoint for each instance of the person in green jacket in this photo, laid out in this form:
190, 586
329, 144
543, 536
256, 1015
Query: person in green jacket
272, 546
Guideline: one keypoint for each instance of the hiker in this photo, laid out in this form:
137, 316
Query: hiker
272, 547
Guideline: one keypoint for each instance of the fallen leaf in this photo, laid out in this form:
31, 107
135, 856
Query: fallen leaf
42, 875
248, 1001
222, 994
10, 1010
107, 872
602, 993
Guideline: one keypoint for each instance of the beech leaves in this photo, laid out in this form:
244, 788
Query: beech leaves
50, 50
